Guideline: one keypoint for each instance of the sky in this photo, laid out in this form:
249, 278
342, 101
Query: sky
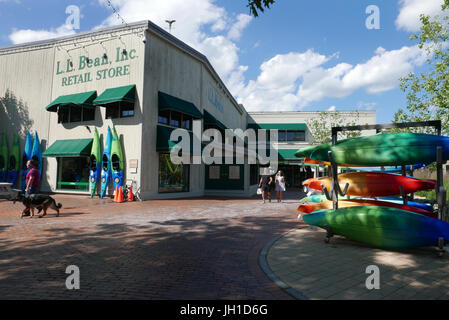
296, 56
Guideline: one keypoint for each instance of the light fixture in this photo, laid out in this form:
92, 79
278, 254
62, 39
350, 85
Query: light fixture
124, 52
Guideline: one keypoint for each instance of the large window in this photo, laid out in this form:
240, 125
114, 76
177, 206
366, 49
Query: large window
175, 119
119, 110
172, 177
291, 135
75, 113
73, 173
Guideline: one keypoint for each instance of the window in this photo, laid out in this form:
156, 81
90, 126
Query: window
73, 173
214, 172
172, 177
175, 119
164, 117
186, 122
282, 135
75, 113
234, 172
119, 110
296, 136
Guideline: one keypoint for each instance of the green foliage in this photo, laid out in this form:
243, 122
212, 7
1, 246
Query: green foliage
431, 195
259, 5
428, 93
321, 126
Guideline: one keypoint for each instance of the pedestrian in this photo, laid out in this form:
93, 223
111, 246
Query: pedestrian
280, 185
265, 184
32, 182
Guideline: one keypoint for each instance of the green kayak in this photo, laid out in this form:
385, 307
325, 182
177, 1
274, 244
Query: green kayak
95, 163
14, 161
116, 160
382, 150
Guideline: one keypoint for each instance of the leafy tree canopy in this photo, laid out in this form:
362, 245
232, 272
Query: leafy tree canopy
256, 6
428, 93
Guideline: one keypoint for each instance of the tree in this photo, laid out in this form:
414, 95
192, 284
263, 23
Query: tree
321, 126
258, 5
428, 93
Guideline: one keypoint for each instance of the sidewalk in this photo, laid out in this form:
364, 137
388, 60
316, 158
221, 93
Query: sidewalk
311, 269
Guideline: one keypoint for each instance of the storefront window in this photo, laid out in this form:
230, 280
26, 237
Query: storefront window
186, 122
282, 135
88, 114
73, 173
172, 177
76, 113
164, 117
119, 110
296, 136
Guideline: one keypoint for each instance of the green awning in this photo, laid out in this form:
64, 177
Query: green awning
83, 98
69, 148
168, 102
285, 154
209, 119
119, 94
278, 126
163, 142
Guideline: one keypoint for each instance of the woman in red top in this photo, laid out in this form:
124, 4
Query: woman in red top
32, 182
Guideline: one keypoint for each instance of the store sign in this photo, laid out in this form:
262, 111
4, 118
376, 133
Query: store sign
87, 69
214, 99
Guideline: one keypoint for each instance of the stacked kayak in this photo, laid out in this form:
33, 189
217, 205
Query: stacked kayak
25, 157
384, 221
373, 184
106, 164
381, 226
116, 160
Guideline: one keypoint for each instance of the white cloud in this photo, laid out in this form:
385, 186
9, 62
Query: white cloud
27, 35
410, 10
236, 30
332, 108
292, 81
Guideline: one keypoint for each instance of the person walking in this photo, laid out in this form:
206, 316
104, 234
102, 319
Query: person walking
280, 185
265, 184
31, 182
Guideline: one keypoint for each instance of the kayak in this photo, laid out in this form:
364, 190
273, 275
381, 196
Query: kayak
317, 198
14, 161
36, 154
106, 164
95, 163
381, 226
3, 159
116, 160
308, 208
372, 184
390, 149
25, 157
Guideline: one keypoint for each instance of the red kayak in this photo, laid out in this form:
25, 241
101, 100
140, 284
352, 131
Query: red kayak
373, 184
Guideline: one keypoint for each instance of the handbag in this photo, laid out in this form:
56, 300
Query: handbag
259, 190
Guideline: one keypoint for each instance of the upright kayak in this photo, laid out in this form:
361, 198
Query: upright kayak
390, 149
95, 163
3, 158
381, 226
106, 164
14, 160
36, 154
116, 160
373, 184
25, 157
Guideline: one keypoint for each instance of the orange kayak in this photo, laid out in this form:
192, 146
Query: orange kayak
372, 184
326, 163
308, 208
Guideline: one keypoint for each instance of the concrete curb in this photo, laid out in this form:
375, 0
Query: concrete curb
263, 263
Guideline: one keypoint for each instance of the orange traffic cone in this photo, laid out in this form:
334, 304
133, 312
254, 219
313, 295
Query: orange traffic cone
115, 194
120, 195
130, 194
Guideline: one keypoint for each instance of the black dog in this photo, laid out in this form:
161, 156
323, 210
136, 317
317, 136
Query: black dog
37, 201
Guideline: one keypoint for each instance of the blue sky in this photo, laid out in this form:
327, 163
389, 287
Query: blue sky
298, 55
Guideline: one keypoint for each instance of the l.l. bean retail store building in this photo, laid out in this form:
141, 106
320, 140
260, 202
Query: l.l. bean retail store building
138, 78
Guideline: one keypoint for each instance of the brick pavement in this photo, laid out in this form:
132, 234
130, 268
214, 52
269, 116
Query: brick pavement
172, 249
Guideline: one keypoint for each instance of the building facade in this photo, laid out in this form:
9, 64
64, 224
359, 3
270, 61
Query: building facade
143, 82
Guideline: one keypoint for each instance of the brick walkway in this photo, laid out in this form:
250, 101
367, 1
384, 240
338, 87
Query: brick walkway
302, 261
182, 249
